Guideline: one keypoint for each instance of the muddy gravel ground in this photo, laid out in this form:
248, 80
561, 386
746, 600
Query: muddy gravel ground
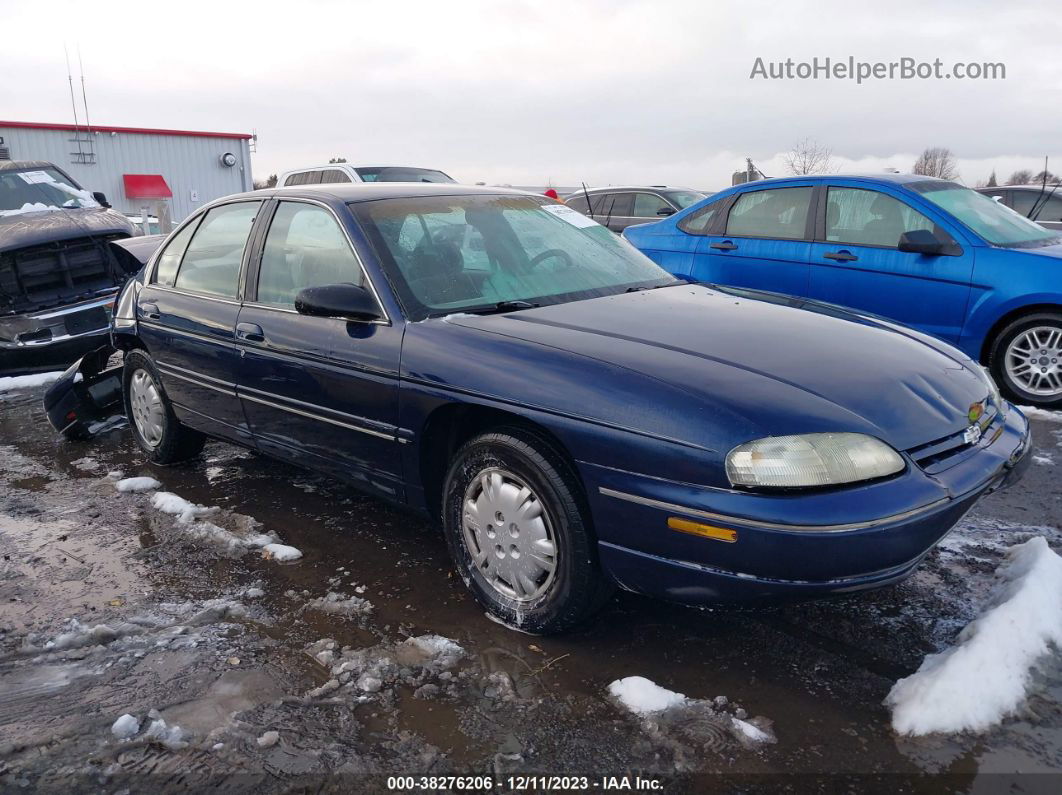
366, 658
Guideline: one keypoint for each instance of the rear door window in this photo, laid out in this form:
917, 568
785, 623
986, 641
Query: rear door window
869, 218
333, 175
699, 222
615, 205
775, 213
170, 259
211, 263
649, 205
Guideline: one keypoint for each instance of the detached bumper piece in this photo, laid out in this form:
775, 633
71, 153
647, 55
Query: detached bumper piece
88, 392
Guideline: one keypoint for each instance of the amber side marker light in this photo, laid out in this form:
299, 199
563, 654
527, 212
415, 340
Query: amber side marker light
702, 530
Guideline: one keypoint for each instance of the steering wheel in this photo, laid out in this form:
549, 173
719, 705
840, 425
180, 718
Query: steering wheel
542, 256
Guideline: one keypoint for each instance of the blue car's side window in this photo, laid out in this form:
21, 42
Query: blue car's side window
780, 213
869, 218
699, 222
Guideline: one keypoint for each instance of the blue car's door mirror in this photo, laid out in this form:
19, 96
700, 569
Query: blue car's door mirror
346, 301
921, 241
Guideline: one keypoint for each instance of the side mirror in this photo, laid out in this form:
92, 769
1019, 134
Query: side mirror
921, 241
101, 198
665, 211
346, 301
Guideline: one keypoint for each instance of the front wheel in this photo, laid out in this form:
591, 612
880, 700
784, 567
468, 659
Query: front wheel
1026, 360
155, 427
517, 534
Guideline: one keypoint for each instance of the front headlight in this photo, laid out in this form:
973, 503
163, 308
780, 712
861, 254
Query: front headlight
813, 459
994, 397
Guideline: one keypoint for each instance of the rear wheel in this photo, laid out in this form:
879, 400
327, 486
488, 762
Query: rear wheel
155, 427
517, 534
1026, 360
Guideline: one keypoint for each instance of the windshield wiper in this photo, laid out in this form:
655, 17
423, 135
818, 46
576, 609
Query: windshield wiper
501, 306
678, 280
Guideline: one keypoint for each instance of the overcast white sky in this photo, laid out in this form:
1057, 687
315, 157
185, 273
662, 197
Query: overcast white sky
522, 92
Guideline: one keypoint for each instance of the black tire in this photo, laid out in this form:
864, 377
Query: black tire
1015, 390
178, 442
578, 587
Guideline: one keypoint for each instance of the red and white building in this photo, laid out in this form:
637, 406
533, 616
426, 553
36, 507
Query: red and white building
169, 172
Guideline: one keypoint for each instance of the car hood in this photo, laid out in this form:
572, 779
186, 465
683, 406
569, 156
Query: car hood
764, 364
32, 229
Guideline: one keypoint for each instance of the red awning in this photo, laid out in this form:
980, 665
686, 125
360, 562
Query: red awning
146, 186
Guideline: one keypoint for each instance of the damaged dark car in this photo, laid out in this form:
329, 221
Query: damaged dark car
63, 255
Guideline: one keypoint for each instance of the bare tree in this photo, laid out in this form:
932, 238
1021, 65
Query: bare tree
271, 182
337, 160
1020, 177
807, 157
936, 161
1045, 176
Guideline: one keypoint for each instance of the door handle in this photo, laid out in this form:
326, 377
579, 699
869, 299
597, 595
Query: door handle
726, 245
251, 332
841, 256
150, 310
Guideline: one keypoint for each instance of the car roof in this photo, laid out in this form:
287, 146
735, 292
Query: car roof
369, 191
1036, 186
632, 187
18, 165
355, 165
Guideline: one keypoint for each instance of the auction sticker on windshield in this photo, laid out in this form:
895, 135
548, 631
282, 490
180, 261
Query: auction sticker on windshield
33, 177
566, 213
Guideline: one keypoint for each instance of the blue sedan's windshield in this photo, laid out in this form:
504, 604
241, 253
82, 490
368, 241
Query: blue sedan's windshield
997, 224
445, 254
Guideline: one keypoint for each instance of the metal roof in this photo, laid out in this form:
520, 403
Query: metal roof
30, 125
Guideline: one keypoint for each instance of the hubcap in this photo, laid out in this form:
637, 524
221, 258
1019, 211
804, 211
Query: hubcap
1034, 360
145, 403
509, 535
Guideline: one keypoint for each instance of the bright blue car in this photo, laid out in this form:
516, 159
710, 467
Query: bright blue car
929, 253
574, 416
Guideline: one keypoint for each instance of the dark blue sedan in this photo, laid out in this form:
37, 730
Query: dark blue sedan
576, 417
926, 252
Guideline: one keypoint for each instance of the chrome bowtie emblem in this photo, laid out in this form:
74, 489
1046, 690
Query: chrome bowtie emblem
972, 434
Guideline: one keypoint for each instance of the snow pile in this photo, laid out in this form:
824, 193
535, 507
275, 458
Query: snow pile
642, 696
171, 737
137, 484
27, 381
31, 207
413, 663
688, 725
79, 635
281, 553
983, 679
339, 604
1044, 460
1034, 413
125, 727
185, 511
192, 524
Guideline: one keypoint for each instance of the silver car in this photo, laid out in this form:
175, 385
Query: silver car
620, 207
1035, 202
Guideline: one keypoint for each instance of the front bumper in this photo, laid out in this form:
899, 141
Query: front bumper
89, 391
790, 545
34, 330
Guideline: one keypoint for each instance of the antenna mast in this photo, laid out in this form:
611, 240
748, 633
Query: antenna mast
73, 103
84, 97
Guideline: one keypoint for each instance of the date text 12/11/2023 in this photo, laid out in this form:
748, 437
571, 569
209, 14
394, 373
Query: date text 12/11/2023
534, 783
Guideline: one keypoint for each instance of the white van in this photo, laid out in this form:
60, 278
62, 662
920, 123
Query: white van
345, 172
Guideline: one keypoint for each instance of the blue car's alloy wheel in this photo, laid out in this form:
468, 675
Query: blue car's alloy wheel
516, 524
1026, 360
